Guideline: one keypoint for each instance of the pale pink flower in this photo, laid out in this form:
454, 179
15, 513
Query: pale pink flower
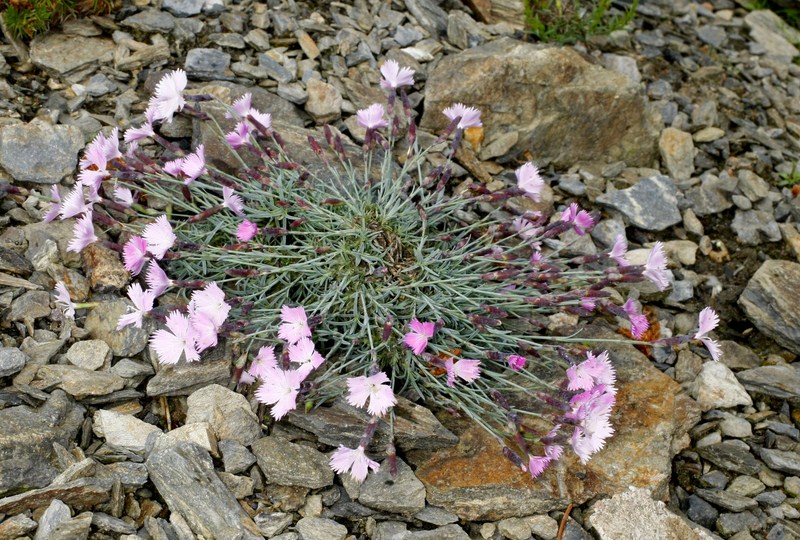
619, 249
591, 411
581, 220
655, 269
157, 280
394, 76
261, 366
353, 461
372, 117
240, 107
74, 203
246, 231
264, 119
280, 389
524, 228
588, 303
205, 330
417, 338
101, 150
159, 237
143, 131
178, 341
194, 165
168, 98
595, 370
537, 465
134, 253
55, 206
123, 196
82, 234
639, 322
142, 303
707, 321
239, 136
305, 353
579, 377
373, 388
232, 201
516, 362
470, 116
173, 167
92, 178
295, 324
529, 180
210, 301
64, 301
465, 369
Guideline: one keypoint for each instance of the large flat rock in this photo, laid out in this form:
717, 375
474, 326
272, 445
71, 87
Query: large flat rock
771, 301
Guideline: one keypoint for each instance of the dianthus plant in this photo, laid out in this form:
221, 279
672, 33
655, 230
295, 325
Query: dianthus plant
367, 277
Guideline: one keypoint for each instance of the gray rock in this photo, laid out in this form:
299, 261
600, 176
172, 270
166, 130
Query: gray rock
183, 8
207, 64
91, 354
727, 500
110, 524
716, 387
771, 302
730, 524
677, 153
274, 69
404, 494
56, 514
150, 20
608, 120
30, 306
736, 427
738, 357
55, 52
429, 15
701, 512
651, 204
514, 528
11, 360
448, 532
781, 461
131, 475
183, 378
122, 430
39, 152
746, 486
634, 515
272, 523
771, 498
710, 197
17, 526
79, 382
101, 323
72, 529
226, 411
772, 33
235, 457
289, 464
623, 64
752, 186
436, 516
100, 85
711, 34
752, 227
184, 476
312, 528
324, 102
83, 493
132, 371
14, 263
778, 382
730, 457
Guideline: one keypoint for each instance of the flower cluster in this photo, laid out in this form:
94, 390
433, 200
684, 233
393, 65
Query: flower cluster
362, 278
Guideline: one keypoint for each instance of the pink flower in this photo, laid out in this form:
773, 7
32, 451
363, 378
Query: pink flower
178, 341
524, 228
619, 249
353, 461
529, 180
261, 367
143, 131
232, 202
465, 369
295, 324
707, 321
123, 196
239, 136
305, 353
581, 220
157, 280
417, 338
142, 302
590, 412
655, 269
210, 301
593, 371
194, 165
372, 388
537, 465
372, 117
246, 231
134, 253
82, 234
64, 301
168, 98
159, 237
204, 329
74, 204
516, 362
101, 150
639, 323
394, 76
240, 107
280, 389
470, 116
264, 119
173, 167
55, 206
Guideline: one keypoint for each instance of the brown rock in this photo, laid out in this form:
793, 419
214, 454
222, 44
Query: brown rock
103, 268
83, 493
771, 301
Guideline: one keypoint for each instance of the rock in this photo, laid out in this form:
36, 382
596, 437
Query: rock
14, 263
570, 111
752, 186
183, 8
623, 64
56, 514
738, 357
730, 524
39, 152
701, 512
72, 529
712, 35
792, 486
274, 70
710, 197
633, 515
727, 500
403, 494
272, 523
200, 433
677, 153
104, 269
746, 486
731, 457
650, 204
324, 102
55, 52
241, 486
429, 15
650, 419
227, 412
207, 64
110, 524
101, 323
30, 306
772, 33
514, 528
184, 476
448, 532
708, 134
312, 528
781, 461
122, 430
90, 354
289, 464
733, 426
150, 20
235, 457
778, 382
82, 493
752, 227
436, 516
772, 302
16, 527
11, 360
78, 382
716, 387
183, 379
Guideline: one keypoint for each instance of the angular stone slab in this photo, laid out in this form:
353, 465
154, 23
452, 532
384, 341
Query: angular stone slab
650, 205
289, 464
771, 301
39, 152
56, 52
82, 493
778, 382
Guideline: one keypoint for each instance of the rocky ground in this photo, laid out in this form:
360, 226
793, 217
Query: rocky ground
685, 127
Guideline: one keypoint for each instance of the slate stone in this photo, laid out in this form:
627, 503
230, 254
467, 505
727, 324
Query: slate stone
183, 8
772, 33
38, 152
731, 457
729, 524
710, 197
429, 15
403, 494
90, 354
771, 301
752, 227
235, 457
122, 430
274, 69
150, 20
738, 357
101, 323
781, 461
55, 514
11, 360
207, 64
183, 378
313, 528
227, 412
14, 263
701, 512
289, 464
716, 387
17, 526
778, 382
82, 493
55, 52
727, 500
677, 153
651, 204
79, 382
